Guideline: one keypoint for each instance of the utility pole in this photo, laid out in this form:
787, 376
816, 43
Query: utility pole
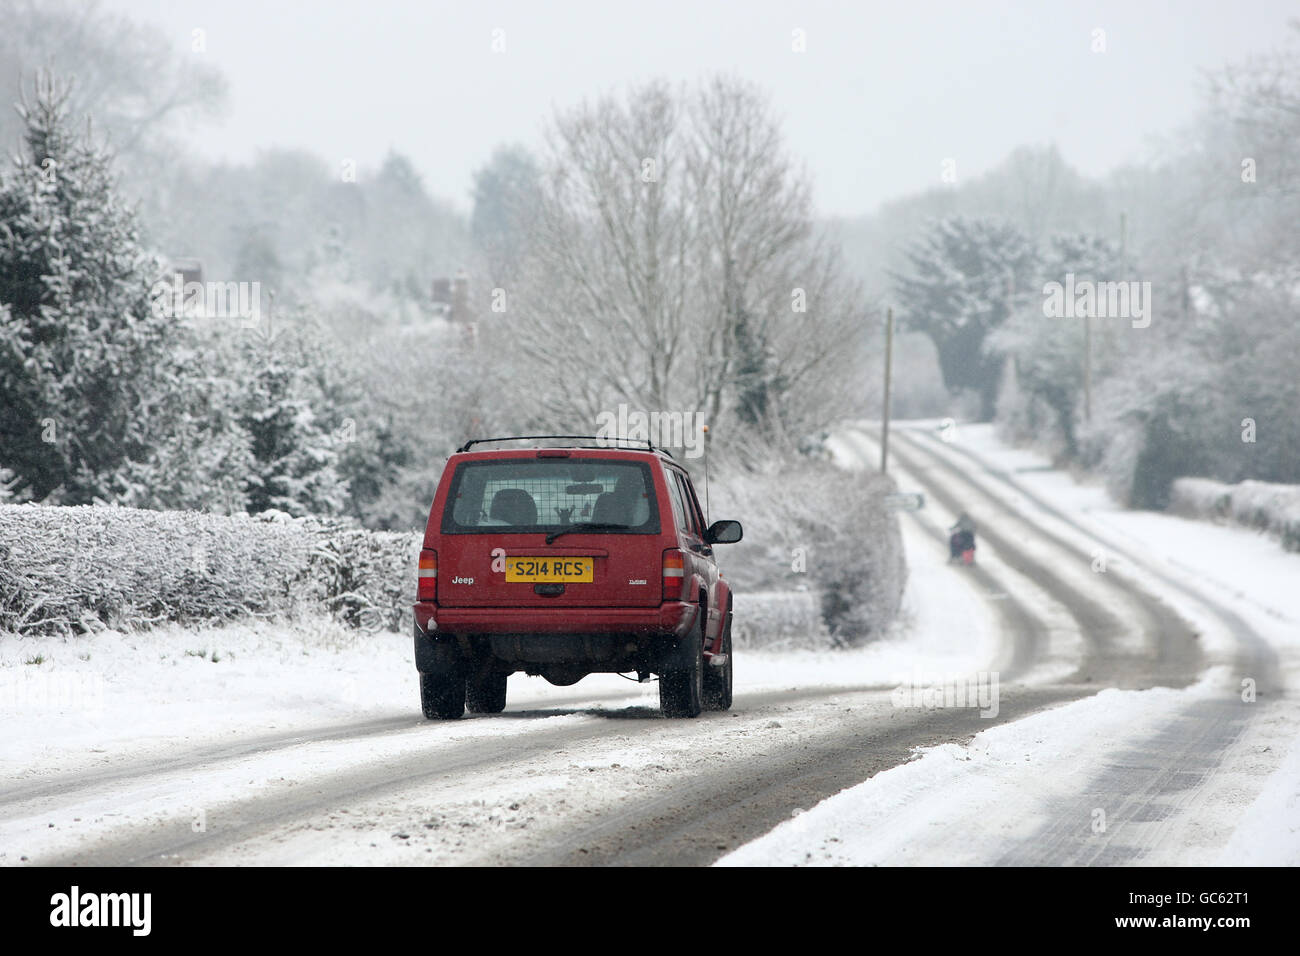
1087, 368
889, 359
1087, 321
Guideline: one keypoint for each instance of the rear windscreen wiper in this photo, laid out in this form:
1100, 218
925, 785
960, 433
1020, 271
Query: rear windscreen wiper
599, 526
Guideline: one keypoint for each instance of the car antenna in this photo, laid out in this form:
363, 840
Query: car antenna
704, 429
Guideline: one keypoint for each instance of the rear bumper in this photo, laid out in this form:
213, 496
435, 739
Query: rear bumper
674, 618
591, 639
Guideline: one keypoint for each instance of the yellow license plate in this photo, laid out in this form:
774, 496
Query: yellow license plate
549, 570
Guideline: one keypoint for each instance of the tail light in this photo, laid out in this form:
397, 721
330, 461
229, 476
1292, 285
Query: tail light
674, 574
427, 588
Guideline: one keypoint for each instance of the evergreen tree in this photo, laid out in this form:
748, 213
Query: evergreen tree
504, 191
753, 372
200, 453
105, 395
290, 408
372, 464
79, 342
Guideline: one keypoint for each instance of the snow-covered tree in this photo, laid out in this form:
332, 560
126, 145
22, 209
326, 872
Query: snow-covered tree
200, 453
964, 279
289, 406
506, 191
104, 397
425, 391
670, 222
1047, 353
1210, 389
130, 76
80, 346
9, 490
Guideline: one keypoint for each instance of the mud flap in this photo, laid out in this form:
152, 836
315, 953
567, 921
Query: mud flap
435, 657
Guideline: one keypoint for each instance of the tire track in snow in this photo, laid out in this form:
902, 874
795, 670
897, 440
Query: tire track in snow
702, 818
1137, 795
230, 822
1173, 659
1142, 791
1255, 657
1022, 630
207, 755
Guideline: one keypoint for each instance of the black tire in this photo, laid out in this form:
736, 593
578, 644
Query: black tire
681, 682
442, 695
487, 695
717, 680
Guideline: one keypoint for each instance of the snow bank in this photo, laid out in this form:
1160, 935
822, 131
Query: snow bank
79, 569
1255, 504
995, 792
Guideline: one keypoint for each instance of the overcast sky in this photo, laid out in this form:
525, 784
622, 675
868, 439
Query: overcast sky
884, 93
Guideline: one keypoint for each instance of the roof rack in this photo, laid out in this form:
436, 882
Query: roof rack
598, 438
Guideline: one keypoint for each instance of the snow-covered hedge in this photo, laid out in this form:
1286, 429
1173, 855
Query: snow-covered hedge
77, 569
809, 524
821, 563
1255, 504
779, 620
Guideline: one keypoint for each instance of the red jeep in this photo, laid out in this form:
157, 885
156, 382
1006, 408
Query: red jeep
567, 561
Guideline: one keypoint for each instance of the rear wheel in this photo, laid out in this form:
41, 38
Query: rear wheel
717, 680
487, 694
442, 690
681, 682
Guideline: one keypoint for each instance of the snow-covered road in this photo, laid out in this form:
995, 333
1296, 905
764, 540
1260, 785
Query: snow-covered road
1117, 733
1183, 773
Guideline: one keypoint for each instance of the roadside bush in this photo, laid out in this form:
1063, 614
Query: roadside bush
1261, 505
779, 621
819, 536
78, 569
811, 524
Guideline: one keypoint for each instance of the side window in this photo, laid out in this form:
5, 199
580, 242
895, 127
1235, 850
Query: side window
692, 510
692, 502
675, 498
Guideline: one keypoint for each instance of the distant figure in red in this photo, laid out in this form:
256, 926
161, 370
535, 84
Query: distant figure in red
961, 539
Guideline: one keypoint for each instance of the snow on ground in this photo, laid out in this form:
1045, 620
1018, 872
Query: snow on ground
96, 699
1011, 770
153, 703
1000, 785
1268, 833
1005, 784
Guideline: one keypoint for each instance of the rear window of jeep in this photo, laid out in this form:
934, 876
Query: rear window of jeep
515, 495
